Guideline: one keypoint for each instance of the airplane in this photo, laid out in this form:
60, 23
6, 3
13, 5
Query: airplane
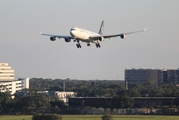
78, 34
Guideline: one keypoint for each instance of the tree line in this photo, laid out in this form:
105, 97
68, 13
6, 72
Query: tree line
34, 102
29, 104
105, 88
108, 88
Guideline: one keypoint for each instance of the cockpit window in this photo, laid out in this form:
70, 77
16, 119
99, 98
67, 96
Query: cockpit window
73, 29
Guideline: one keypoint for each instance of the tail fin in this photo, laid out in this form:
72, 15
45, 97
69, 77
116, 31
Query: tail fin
101, 28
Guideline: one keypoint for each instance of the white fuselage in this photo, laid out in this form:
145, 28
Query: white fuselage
82, 34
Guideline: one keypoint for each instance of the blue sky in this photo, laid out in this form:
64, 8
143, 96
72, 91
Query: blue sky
33, 55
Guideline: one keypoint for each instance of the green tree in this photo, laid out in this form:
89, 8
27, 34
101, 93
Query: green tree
37, 101
6, 103
126, 101
46, 117
107, 117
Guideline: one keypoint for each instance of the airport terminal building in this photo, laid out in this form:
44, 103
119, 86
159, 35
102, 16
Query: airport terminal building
7, 81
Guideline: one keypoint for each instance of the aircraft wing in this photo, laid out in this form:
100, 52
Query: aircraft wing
57, 36
123, 35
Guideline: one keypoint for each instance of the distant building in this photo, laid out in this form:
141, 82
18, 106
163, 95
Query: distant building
141, 76
7, 81
65, 95
173, 76
90, 101
158, 76
60, 95
155, 101
139, 102
14, 85
6, 73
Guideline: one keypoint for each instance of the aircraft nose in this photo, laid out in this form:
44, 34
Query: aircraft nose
72, 32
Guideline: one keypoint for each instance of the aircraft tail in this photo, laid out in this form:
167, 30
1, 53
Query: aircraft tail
101, 28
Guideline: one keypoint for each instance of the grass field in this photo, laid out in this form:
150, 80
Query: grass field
95, 117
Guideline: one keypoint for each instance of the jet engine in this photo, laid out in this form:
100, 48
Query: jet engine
123, 36
52, 38
100, 38
67, 40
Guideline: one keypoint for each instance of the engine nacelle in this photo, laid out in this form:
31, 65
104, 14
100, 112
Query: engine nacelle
100, 38
123, 36
52, 38
67, 40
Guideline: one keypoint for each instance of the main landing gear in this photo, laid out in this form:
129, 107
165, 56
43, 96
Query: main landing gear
98, 45
78, 45
88, 44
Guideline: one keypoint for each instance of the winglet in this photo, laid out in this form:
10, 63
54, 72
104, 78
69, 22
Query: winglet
145, 29
41, 32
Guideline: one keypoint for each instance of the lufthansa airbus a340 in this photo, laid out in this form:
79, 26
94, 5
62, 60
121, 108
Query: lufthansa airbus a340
78, 34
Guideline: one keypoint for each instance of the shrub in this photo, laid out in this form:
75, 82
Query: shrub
46, 117
107, 117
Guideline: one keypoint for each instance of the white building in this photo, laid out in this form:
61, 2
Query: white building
65, 95
6, 73
7, 82
14, 85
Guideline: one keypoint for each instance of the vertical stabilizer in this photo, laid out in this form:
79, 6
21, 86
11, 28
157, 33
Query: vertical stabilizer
101, 28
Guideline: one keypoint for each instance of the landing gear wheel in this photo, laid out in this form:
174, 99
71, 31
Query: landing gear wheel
78, 45
88, 44
98, 45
